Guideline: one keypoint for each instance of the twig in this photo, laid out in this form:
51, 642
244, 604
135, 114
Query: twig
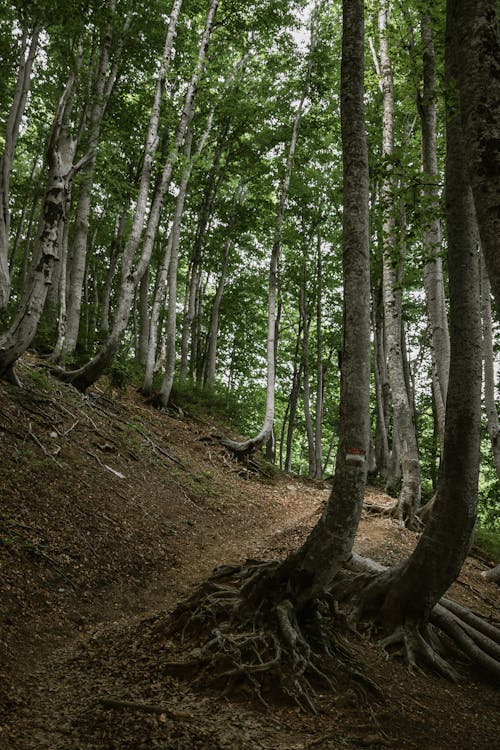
38, 553
40, 444
148, 708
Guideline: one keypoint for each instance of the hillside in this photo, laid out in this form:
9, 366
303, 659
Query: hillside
110, 512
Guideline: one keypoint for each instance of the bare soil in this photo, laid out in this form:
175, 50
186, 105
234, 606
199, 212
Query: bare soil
110, 513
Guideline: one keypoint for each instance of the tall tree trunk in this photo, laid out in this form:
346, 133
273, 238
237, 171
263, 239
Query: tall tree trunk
305, 318
168, 377
312, 569
250, 445
29, 43
320, 381
409, 499
60, 156
143, 335
131, 277
432, 240
382, 388
101, 92
479, 87
403, 597
213, 332
293, 400
158, 301
192, 283
489, 369
116, 247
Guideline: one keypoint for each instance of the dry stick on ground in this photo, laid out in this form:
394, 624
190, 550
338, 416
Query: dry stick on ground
145, 707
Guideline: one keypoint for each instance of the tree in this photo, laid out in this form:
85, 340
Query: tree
60, 157
478, 84
266, 430
27, 51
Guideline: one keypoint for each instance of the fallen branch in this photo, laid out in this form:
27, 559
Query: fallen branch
147, 708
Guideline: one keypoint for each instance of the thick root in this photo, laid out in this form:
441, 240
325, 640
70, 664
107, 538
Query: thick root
239, 632
419, 647
477, 639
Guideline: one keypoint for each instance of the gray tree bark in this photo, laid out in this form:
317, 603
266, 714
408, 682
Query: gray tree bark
409, 499
102, 88
489, 369
265, 432
131, 276
312, 569
60, 156
28, 48
432, 239
479, 89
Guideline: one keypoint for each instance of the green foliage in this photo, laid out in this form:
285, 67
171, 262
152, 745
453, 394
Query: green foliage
198, 401
488, 540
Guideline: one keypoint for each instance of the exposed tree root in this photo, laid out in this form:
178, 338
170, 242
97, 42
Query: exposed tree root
243, 632
421, 643
394, 511
492, 575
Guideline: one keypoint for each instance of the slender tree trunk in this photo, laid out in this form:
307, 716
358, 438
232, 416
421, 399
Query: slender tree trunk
131, 276
489, 369
382, 388
250, 445
168, 377
60, 156
306, 388
115, 251
144, 323
194, 271
101, 92
214, 318
29, 43
432, 240
312, 569
158, 301
320, 383
409, 499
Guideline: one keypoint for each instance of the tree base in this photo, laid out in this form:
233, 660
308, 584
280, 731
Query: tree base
241, 631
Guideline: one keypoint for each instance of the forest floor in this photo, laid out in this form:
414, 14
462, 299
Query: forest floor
110, 513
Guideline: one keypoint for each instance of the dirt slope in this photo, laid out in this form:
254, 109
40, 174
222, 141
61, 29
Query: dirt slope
110, 512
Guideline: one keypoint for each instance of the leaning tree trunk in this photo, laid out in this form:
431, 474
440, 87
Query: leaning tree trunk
409, 499
29, 43
489, 370
131, 277
248, 446
432, 240
479, 87
60, 156
101, 92
403, 597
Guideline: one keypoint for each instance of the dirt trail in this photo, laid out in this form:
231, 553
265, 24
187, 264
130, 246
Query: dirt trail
111, 512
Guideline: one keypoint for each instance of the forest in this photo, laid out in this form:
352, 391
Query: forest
287, 212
